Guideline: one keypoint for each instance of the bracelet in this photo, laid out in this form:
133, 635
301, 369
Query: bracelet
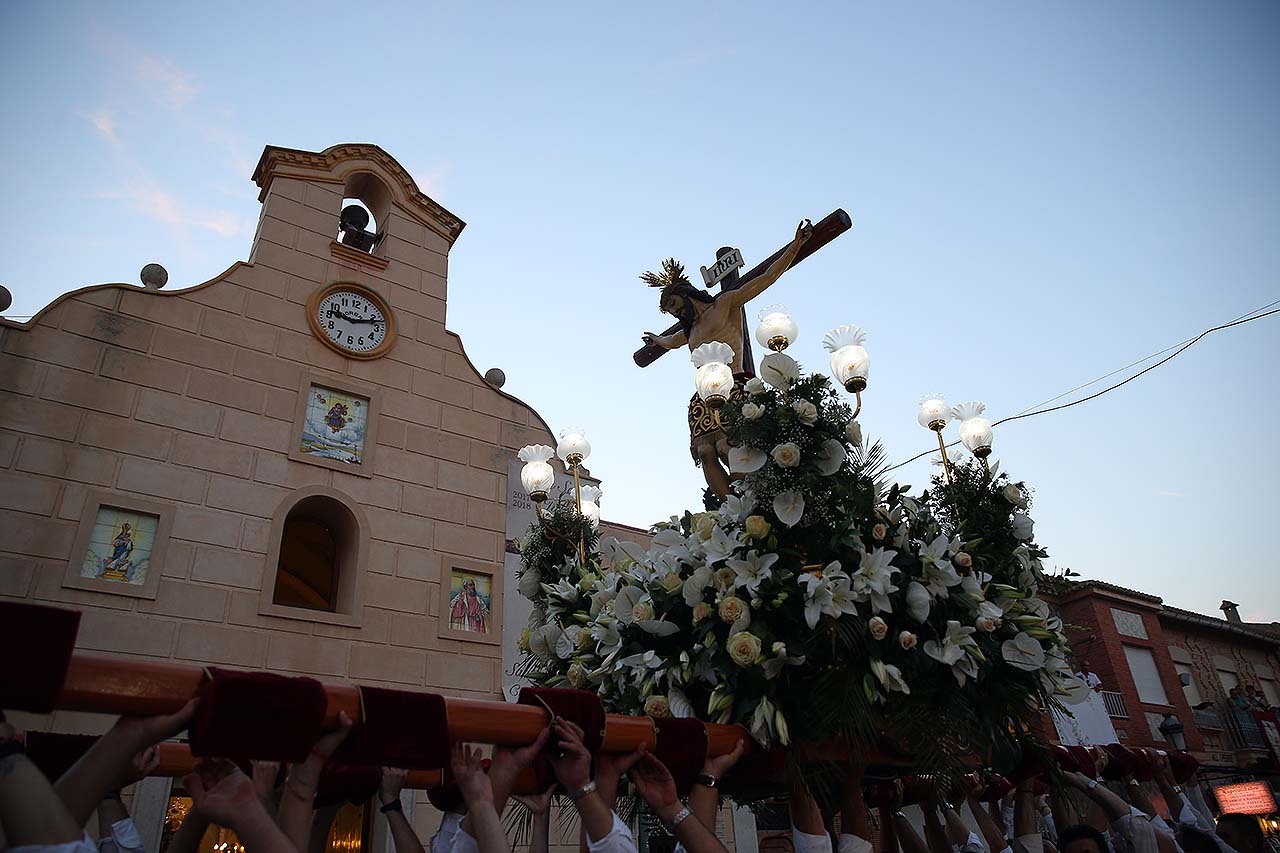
680, 816
706, 780
393, 806
1093, 783
1177, 789
588, 788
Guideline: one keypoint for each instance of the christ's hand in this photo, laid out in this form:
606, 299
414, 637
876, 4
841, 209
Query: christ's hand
804, 230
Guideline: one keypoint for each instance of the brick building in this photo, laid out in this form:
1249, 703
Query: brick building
1166, 674
292, 467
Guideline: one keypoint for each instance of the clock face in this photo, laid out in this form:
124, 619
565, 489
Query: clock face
352, 321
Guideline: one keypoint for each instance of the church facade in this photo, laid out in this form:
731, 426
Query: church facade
293, 467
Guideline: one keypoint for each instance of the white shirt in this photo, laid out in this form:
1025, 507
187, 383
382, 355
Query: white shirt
618, 840
124, 838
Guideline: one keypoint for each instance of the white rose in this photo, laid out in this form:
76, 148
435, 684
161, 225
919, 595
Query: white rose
731, 609
743, 648
879, 532
701, 611
724, 578
787, 455
879, 628
806, 412
1014, 495
986, 623
704, 524
854, 432
754, 386
657, 706
963, 560
751, 411
907, 640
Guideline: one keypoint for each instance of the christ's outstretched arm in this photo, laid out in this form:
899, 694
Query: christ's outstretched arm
753, 288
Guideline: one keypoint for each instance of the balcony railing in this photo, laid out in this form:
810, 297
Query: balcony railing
1207, 718
1243, 729
1114, 703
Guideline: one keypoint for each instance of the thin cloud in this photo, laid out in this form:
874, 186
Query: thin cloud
149, 199
160, 78
1170, 494
103, 121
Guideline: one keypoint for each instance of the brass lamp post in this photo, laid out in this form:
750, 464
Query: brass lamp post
934, 414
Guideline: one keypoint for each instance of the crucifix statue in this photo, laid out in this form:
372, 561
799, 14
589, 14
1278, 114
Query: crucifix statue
702, 317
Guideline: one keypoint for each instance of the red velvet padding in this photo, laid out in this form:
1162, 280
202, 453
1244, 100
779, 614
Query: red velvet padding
997, 788
1121, 762
399, 729
682, 746
53, 753
257, 715
1183, 765
347, 783
577, 706
1143, 768
37, 643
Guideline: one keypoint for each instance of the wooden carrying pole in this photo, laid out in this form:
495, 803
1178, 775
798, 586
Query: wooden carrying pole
104, 685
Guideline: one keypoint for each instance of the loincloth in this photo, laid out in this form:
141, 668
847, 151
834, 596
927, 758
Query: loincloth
704, 426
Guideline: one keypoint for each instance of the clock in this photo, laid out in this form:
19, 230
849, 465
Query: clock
352, 320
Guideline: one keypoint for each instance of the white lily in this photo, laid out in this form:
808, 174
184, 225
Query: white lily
773, 666
657, 627
624, 604
761, 726
530, 582
738, 507
720, 546
779, 370
818, 594
679, 703
567, 642
1022, 526
752, 570
608, 639
889, 676
874, 579
789, 507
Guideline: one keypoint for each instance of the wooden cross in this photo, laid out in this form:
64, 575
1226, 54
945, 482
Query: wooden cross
830, 227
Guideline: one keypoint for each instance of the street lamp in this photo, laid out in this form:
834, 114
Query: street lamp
975, 430
777, 330
934, 414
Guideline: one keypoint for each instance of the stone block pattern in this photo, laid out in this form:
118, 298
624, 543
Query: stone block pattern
187, 397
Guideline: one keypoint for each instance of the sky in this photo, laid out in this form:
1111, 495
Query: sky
1041, 193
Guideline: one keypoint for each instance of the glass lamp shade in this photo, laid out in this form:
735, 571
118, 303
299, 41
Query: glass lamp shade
573, 448
975, 430
976, 435
934, 413
714, 382
537, 476
777, 330
849, 366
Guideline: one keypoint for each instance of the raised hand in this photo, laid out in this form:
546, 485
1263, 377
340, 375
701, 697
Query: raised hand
722, 764
468, 769
539, 804
573, 765
804, 230
219, 790
142, 764
393, 779
654, 783
265, 774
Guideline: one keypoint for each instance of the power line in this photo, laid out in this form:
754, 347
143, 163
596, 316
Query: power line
1178, 349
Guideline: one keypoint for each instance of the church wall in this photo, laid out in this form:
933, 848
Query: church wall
187, 398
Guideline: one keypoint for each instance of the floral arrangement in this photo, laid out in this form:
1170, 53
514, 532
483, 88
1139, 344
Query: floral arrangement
816, 601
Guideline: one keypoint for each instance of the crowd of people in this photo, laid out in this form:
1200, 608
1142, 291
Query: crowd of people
272, 808
1248, 698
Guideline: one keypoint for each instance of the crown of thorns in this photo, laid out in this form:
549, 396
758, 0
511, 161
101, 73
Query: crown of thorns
671, 276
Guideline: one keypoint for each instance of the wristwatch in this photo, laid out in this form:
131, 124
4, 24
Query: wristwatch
706, 780
393, 806
583, 791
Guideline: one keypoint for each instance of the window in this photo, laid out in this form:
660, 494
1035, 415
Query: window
1269, 691
1228, 679
1142, 665
365, 204
307, 573
319, 539
1189, 687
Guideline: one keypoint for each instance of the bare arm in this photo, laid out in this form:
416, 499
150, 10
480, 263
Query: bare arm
992, 833
854, 817
1112, 806
224, 795
742, 295
573, 768
187, 838
675, 340
934, 835
507, 764
297, 803
478, 794
30, 811
907, 836
406, 840
119, 757
540, 807
654, 782
704, 802
110, 812
957, 832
